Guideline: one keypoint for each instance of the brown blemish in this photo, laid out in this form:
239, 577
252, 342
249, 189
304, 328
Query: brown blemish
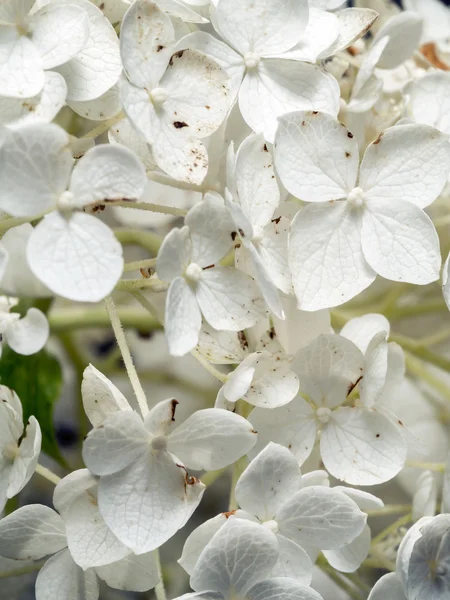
180, 124
378, 140
174, 404
350, 135
429, 51
242, 340
352, 386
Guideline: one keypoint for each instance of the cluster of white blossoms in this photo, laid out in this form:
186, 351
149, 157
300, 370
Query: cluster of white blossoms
284, 167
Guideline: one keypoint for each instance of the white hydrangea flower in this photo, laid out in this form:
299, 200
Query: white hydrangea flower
304, 513
172, 98
25, 335
359, 444
141, 461
227, 298
429, 101
259, 37
19, 448
33, 42
74, 254
423, 571
253, 198
238, 562
362, 222
83, 548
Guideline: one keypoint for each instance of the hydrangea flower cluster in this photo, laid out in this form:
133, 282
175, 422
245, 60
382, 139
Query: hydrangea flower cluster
267, 183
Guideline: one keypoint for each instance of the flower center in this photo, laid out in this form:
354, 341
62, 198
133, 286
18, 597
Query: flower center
258, 234
323, 414
65, 202
159, 443
194, 272
272, 525
158, 96
251, 60
356, 197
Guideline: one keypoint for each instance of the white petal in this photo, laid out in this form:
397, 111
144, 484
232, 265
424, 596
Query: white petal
259, 195
11, 421
100, 396
102, 108
240, 554
31, 532
238, 382
229, 299
400, 242
61, 578
210, 226
21, 68
160, 420
222, 347
316, 156
293, 562
328, 368
407, 162
425, 499
321, 33
174, 254
273, 252
133, 573
262, 27
125, 134
349, 558
364, 500
25, 462
78, 258
225, 56
145, 504
35, 157
325, 256
293, 426
97, 67
274, 383
175, 148
321, 517
387, 586
146, 40
362, 447
404, 31
429, 100
282, 588
300, 327
268, 289
269, 481
361, 330
183, 318
282, 86
107, 173
212, 439
175, 8
41, 108
118, 442
59, 33
29, 334
13, 11
198, 92
353, 24
446, 281
375, 370
198, 539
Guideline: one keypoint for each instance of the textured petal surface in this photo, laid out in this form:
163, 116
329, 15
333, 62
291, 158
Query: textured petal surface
78, 258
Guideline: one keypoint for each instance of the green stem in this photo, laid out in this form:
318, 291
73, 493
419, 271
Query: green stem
139, 264
392, 509
146, 239
104, 126
426, 466
339, 579
156, 208
64, 319
160, 591
209, 478
392, 528
415, 347
138, 285
415, 367
47, 474
126, 355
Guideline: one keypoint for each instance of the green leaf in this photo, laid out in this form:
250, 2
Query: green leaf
37, 380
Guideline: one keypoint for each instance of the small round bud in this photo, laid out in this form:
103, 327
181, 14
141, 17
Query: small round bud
272, 525
323, 414
355, 197
194, 273
158, 96
159, 443
65, 202
251, 60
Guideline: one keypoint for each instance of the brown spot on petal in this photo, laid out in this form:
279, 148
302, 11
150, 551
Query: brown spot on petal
242, 340
429, 51
265, 148
233, 235
174, 404
347, 154
352, 386
350, 135
378, 140
180, 124
178, 54
229, 514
